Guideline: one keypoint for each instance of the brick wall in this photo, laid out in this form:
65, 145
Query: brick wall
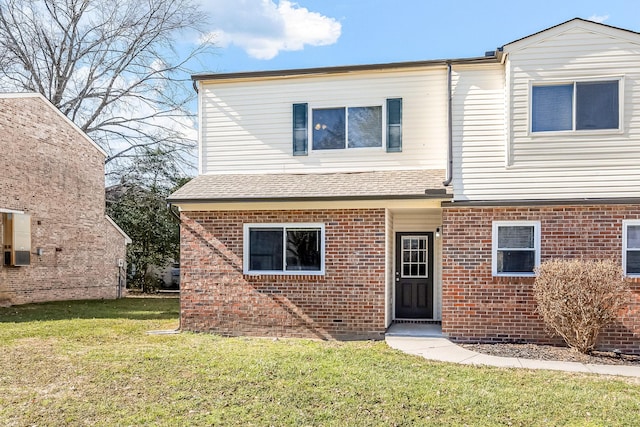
50, 171
346, 302
480, 307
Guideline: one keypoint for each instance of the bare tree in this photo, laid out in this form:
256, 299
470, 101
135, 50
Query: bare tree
110, 66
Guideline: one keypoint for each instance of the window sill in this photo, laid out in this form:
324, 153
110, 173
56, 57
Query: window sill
347, 149
284, 273
565, 133
514, 275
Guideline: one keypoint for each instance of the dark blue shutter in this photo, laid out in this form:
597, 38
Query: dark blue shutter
300, 133
394, 125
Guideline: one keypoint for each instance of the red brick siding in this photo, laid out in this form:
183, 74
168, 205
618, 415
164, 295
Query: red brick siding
50, 171
479, 307
346, 302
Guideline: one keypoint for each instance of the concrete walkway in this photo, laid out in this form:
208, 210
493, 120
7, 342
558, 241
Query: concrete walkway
433, 347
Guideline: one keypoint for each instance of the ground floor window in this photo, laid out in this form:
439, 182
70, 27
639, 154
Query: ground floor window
631, 247
284, 248
515, 248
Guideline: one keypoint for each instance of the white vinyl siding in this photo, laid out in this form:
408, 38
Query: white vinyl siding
478, 125
519, 164
408, 220
246, 126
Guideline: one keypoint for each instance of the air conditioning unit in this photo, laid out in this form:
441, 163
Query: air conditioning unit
17, 239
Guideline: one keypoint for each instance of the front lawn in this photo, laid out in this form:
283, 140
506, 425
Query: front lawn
92, 363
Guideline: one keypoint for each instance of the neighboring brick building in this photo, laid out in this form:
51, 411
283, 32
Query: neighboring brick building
336, 201
57, 242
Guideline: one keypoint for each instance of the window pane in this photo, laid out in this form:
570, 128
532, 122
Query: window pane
512, 237
265, 249
328, 128
303, 250
516, 261
633, 236
633, 262
597, 105
422, 270
365, 127
552, 108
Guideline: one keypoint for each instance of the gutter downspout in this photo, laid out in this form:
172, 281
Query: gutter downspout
447, 182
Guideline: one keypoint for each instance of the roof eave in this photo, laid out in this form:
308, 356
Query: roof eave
426, 196
340, 69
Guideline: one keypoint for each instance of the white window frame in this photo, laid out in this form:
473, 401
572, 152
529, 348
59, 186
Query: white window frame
377, 103
573, 130
284, 271
625, 249
427, 255
494, 246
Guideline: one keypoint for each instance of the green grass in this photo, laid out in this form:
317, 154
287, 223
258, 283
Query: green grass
92, 363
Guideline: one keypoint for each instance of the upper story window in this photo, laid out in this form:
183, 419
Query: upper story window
515, 248
348, 127
284, 248
631, 247
352, 127
576, 106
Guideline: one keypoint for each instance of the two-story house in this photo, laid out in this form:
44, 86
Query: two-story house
332, 202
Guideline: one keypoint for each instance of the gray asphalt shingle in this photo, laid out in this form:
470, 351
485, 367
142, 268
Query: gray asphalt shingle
379, 184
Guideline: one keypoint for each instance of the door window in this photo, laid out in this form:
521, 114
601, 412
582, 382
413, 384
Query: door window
414, 257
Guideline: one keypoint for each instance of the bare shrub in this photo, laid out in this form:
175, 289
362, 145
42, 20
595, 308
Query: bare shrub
578, 298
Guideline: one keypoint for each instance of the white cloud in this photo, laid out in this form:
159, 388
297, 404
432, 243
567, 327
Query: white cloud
263, 28
598, 18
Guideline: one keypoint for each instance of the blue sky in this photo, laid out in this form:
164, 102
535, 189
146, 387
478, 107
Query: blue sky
253, 35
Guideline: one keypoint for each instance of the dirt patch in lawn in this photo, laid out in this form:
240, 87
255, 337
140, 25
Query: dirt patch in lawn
548, 352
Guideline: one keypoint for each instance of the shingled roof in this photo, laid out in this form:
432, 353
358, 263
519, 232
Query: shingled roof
400, 184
